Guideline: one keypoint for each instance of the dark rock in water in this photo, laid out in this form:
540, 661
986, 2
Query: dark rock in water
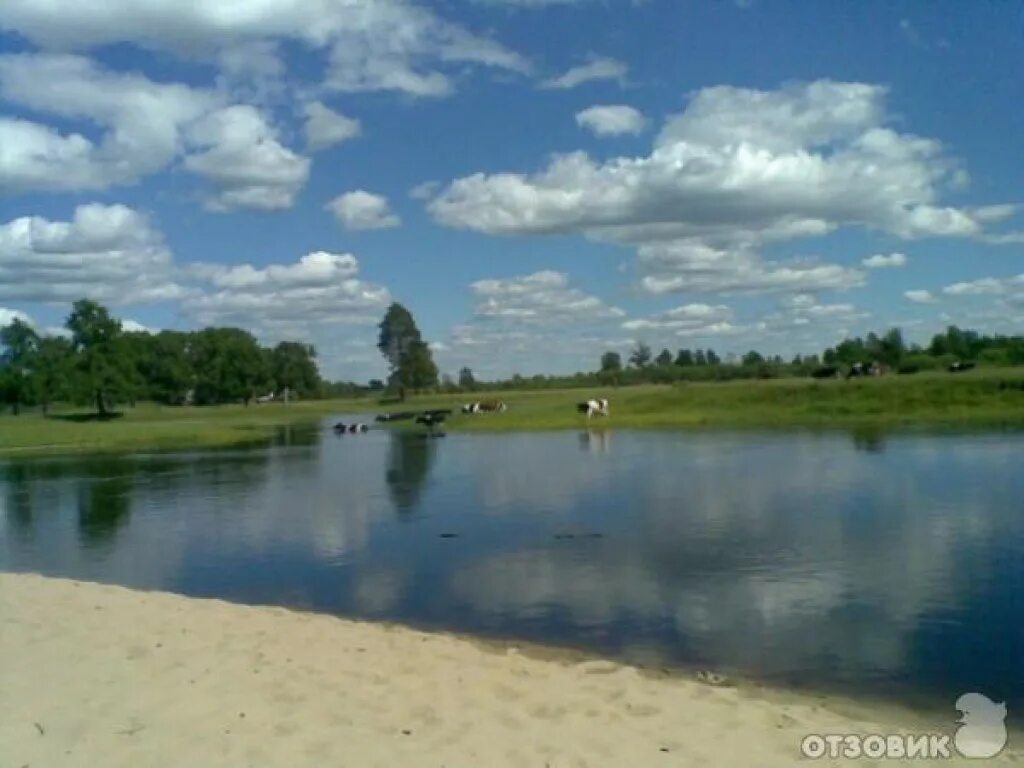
448, 535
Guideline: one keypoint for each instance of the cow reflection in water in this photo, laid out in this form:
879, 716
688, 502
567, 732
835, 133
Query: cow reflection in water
410, 457
596, 440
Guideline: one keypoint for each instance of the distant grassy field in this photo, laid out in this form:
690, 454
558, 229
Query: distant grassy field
980, 399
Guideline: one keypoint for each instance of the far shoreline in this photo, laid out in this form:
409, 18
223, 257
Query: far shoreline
989, 400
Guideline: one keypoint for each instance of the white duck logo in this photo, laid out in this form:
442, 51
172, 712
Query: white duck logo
982, 732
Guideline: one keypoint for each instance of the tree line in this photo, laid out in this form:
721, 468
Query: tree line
100, 364
889, 350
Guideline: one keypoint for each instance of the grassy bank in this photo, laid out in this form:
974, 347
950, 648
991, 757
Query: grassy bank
152, 427
981, 399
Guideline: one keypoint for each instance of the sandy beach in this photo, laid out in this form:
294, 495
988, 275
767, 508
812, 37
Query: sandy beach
96, 675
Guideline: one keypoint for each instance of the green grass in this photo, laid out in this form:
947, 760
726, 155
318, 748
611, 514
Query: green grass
980, 399
152, 427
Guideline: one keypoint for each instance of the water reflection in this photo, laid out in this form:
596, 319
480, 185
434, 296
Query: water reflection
410, 456
811, 558
596, 440
104, 501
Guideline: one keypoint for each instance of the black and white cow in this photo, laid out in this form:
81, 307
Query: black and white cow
485, 406
594, 407
340, 428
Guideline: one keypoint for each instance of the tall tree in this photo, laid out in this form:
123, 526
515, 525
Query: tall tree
397, 332
416, 368
103, 370
164, 366
640, 356
611, 361
664, 358
20, 345
293, 368
466, 379
229, 364
684, 359
53, 370
407, 354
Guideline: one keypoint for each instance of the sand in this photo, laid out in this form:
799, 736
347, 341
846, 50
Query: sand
96, 675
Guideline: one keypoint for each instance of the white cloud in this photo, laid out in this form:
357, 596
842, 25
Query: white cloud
143, 121
280, 300
689, 320
373, 44
985, 286
424, 190
805, 311
8, 316
758, 164
540, 297
692, 266
883, 261
611, 120
134, 326
361, 210
147, 125
598, 68
244, 160
325, 127
738, 168
36, 157
106, 252
920, 296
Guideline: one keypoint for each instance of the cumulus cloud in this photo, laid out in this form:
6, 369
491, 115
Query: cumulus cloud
110, 253
320, 289
243, 159
611, 120
738, 168
147, 125
8, 316
324, 127
766, 164
371, 44
986, 286
361, 210
541, 297
920, 296
143, 120
690, 265
883, 261
689, 320
134, 326
805, 311
598, 68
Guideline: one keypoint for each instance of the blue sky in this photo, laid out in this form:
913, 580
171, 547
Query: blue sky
537, 180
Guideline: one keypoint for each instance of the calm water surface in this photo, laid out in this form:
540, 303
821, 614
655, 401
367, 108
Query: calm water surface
885, 566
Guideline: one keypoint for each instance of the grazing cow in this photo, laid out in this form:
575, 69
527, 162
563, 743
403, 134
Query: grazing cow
961, 367
485, 406
591, 407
